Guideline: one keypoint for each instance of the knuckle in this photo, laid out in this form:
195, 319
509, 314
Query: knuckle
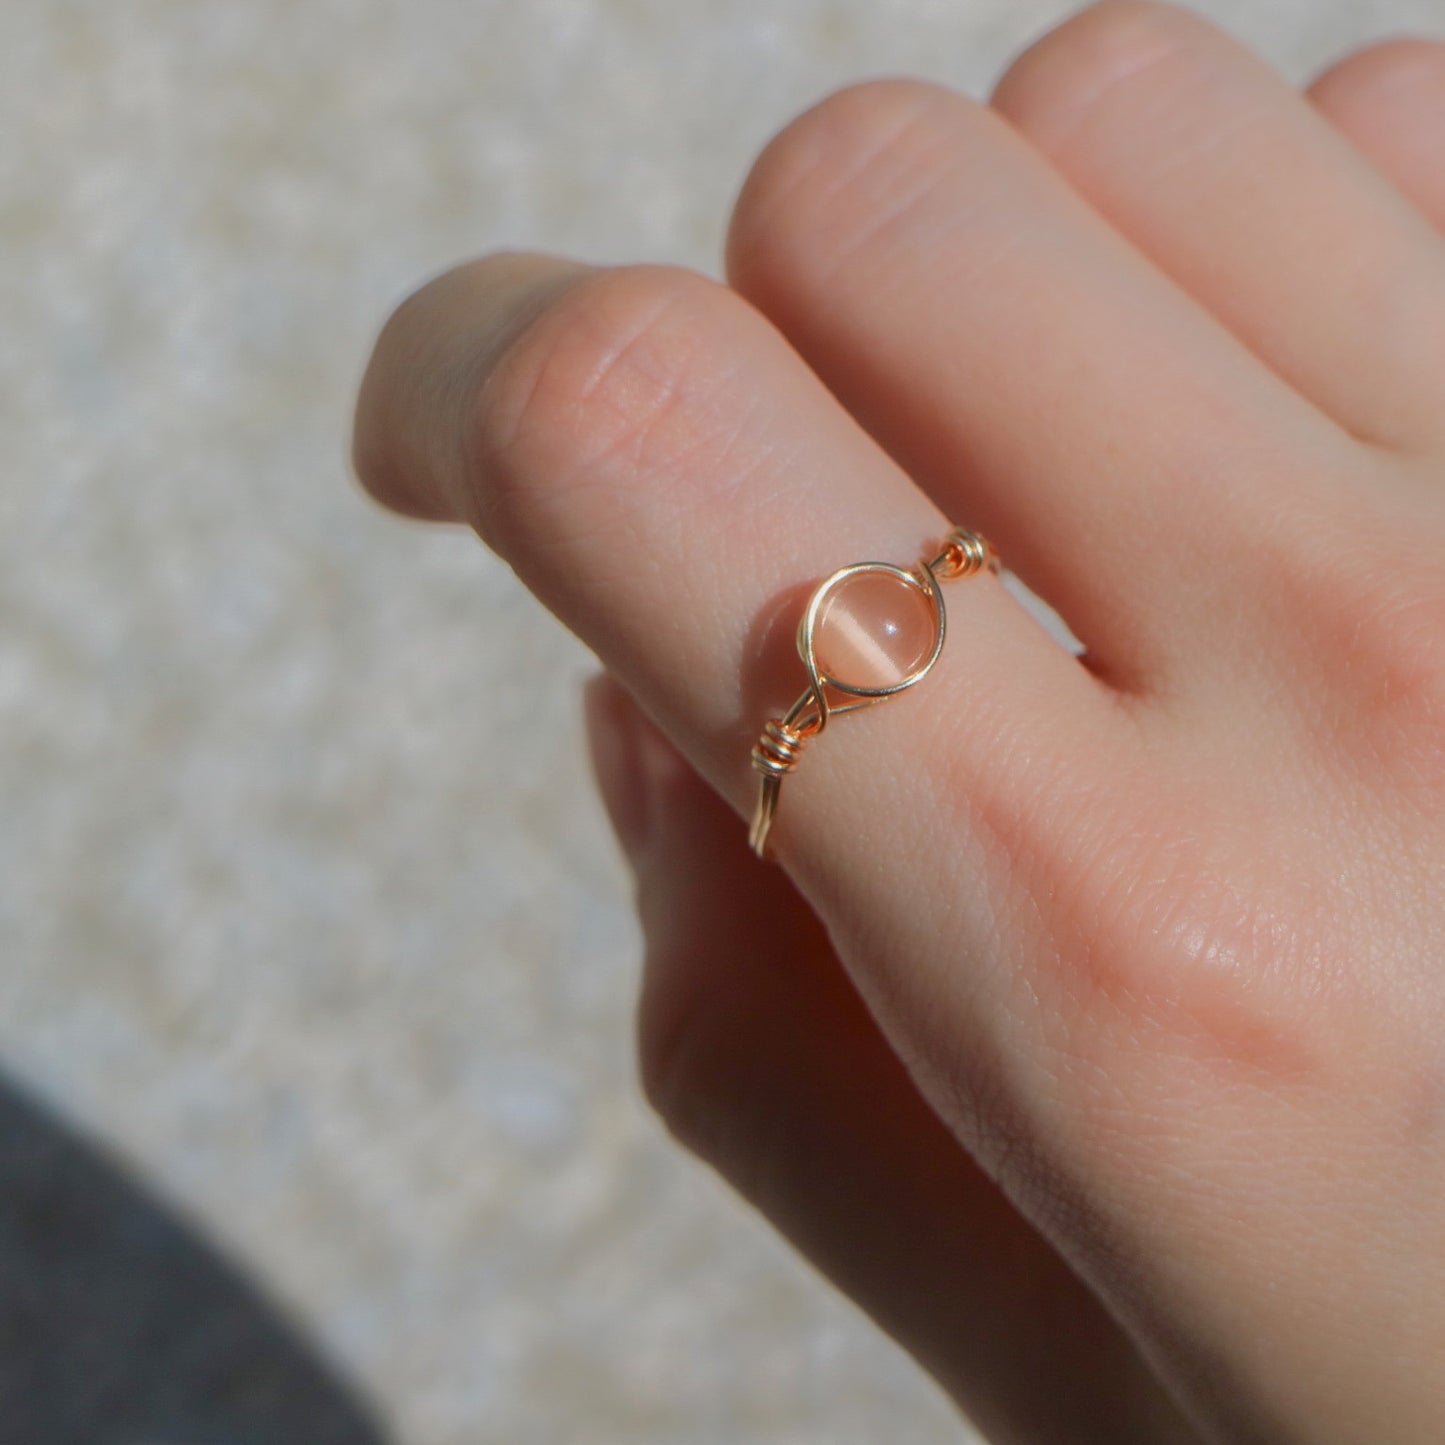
1357, 599
1384, 621
603, 380
1116, 52
1151, 927
845, 164
1192, 955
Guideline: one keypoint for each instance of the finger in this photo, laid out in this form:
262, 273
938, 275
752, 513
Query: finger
762, 1059
661, 469
1003, 342
1389, 100
1228, 179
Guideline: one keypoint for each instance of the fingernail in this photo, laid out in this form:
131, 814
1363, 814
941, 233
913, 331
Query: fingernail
633, 763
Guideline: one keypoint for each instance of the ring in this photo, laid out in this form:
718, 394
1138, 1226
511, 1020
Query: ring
870, 631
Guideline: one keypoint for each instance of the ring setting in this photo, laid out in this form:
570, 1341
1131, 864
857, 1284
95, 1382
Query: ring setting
870, 631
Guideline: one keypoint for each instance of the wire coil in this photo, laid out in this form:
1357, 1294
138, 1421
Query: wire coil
778, 750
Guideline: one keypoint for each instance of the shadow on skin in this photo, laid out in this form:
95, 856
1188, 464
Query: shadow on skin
120, 1325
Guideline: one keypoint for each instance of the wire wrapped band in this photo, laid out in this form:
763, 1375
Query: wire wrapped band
783, 739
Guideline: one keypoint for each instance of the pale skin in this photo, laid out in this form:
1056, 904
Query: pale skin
1087, 1028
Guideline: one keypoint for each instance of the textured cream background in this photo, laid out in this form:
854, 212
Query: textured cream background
306, 910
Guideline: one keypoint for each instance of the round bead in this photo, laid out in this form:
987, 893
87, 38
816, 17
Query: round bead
874, 630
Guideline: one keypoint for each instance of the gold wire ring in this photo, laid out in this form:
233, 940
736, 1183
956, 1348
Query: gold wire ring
784, 738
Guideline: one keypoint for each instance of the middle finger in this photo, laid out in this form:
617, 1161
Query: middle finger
1027, 366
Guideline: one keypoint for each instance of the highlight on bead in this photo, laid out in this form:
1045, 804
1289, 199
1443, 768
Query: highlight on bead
870, 631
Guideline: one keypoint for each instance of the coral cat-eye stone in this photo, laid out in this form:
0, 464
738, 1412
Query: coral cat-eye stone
874, 630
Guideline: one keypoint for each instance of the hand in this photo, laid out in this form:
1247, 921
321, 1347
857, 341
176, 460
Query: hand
1090, 1033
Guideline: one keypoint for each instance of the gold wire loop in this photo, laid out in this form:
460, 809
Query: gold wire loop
964, 554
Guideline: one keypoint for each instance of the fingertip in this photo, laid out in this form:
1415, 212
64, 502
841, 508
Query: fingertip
1388, 100
1380, 70
411, 424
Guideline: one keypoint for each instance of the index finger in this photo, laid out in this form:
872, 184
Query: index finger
665, 474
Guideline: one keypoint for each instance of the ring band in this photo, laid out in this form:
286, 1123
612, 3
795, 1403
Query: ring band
870, 630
